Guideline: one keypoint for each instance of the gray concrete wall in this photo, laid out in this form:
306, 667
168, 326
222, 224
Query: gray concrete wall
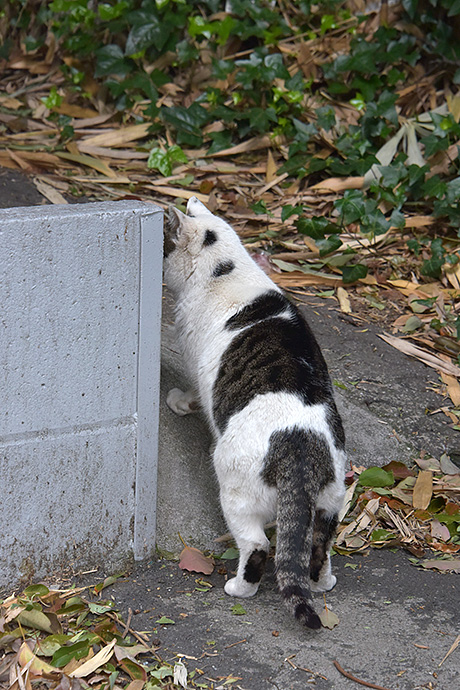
80, 313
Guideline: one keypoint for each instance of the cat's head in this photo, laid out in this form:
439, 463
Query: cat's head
197, 244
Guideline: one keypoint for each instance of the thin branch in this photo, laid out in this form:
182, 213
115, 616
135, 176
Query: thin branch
358, 680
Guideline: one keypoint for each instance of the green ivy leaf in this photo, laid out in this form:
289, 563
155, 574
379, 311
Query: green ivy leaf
295, 165
325, 117
164, 161
316, 227
238, 610
158, 160
351, 207
289, 210
432, 266
260, 207
62, 656
414, 246
397, 219
220, 141
36, 591
260, 118
375, 222
304, 132
53, 100
381, 535
274, 68
230, 554
350, 274
376, 476
187, 121
111, 60
148, 31
198, 26
328, 245
109, 12
434, 187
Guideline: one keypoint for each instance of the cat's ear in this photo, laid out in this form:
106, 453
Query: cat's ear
174, 220
196, 208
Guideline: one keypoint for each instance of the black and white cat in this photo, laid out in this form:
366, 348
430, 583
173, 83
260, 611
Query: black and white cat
259, 375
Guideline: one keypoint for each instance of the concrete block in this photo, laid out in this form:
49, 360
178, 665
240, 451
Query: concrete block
80, 315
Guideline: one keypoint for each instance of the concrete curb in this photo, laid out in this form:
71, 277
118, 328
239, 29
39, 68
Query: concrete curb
80, 359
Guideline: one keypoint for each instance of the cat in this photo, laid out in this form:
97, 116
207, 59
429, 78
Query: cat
260, 377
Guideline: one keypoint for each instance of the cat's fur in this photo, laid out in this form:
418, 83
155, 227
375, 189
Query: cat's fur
259, 375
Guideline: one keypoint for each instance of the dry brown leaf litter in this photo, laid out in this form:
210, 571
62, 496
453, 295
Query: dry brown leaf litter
107, 157
64, 639
417, 509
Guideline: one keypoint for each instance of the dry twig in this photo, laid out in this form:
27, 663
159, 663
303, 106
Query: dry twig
358, 680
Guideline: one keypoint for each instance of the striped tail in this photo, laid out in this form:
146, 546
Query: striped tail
293, 550
299, 462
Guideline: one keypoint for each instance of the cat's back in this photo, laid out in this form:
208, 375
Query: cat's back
271, 350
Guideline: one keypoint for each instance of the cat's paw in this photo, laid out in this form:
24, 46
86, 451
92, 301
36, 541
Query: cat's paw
238, 587
324, 584
181, 403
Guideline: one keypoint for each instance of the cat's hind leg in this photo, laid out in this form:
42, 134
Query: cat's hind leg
253, 548
181, 402
321, 578
247, 527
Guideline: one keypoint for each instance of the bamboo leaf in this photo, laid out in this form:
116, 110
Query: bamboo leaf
96, 662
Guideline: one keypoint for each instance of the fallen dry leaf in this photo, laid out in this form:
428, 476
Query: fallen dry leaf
195, 561
454, 646
254, 144
393, 518
96, 662
36, 665
117, 145
453, 388
90, 162
344, 300
444, 565
49, 192
74, 663
431, 464
272, 183
272, 167
298, 279
178, 193
447, 466
453, 276
426, 357
419, 221
328, 618
439, 531
338, 184
119, 137
423, 490
137, 684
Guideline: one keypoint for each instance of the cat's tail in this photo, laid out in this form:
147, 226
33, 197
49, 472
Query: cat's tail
297, 464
